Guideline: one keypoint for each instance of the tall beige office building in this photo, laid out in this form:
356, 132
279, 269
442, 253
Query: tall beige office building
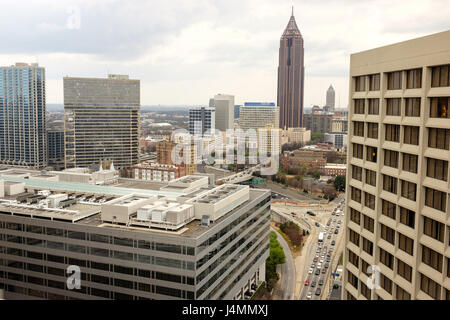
224, 104
101, 121
254, 115
398, 216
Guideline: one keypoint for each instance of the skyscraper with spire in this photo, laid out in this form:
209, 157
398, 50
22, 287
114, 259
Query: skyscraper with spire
291, 76
331, 98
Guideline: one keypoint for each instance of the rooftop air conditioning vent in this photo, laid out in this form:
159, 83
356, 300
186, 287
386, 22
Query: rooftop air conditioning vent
205, 221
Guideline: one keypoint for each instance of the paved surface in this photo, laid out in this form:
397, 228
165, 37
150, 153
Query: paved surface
311, 252
287, 192
287, 271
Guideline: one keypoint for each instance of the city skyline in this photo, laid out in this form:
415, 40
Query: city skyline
238, 56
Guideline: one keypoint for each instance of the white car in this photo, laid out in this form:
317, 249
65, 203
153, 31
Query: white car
321, 260
309, 295
310, 271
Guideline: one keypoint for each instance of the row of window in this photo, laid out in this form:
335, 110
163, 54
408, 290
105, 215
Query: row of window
440, 77
392, 132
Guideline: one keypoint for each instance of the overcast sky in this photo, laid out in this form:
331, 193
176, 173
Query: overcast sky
185, 51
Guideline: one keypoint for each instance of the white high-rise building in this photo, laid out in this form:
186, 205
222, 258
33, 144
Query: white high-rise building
254, 115
224, 104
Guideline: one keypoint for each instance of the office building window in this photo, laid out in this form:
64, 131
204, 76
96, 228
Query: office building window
390, 158
435, 199
357, 173
358, 128
358, 150
409, 162
430, 287
388, 208
393, 107
439, 107
437, 169
411, 135
365, 268
367, 246
438, 138
365, 291
355, 216
405, 243
368, 223
432, 258
407, 217
356, 194
389, 184
354, 237
404, 270
392, 132
359, 106
353, 258
374, 82
360, 83
412, 107
369, 200
433, 229
371, 177
372, 130
374, 106
371, 154
352, 279
440, 76
394, 80
387, 234
409, 190
414, 79
386, 283
402, 294
387, 259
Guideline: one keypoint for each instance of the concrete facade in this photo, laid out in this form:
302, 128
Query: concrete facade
398, 216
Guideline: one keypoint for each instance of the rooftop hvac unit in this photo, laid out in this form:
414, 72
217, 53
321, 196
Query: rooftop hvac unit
205, 221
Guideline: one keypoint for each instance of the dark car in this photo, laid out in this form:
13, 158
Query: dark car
336, 231
310, 213
318, 291
329, 236
320, 282
317, 224
323, 270
328, 259
327, 265
313, 284
333, 242
317, 272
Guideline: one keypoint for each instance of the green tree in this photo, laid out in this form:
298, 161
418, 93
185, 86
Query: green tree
316, 174
339, 183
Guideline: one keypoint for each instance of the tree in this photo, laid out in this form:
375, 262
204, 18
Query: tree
276, 256
316, 174
339, 183
317, 137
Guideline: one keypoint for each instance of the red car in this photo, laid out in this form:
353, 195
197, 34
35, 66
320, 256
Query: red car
315, 259
306, 283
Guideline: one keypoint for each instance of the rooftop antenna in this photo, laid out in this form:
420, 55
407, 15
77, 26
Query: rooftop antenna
292, 14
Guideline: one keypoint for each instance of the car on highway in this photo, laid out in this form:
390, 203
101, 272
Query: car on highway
326, 265
310, 270
333, 243
320, 282
307, 283
336, 231
315, 259
310, 213
328, 259
317, 224
321, 260
313, 284
313, 265
309, 295
324, 270
333, 213
334, 220
329, 236
318, 292
319, 265
317, 272
339, 221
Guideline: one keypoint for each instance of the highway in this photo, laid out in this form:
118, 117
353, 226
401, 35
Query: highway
319, 252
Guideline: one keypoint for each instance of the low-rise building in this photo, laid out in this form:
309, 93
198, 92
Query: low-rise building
335, 169
157, 172
187, 240
298, 135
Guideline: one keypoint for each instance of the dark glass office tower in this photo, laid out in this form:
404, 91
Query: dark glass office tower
291, 75
23, 139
